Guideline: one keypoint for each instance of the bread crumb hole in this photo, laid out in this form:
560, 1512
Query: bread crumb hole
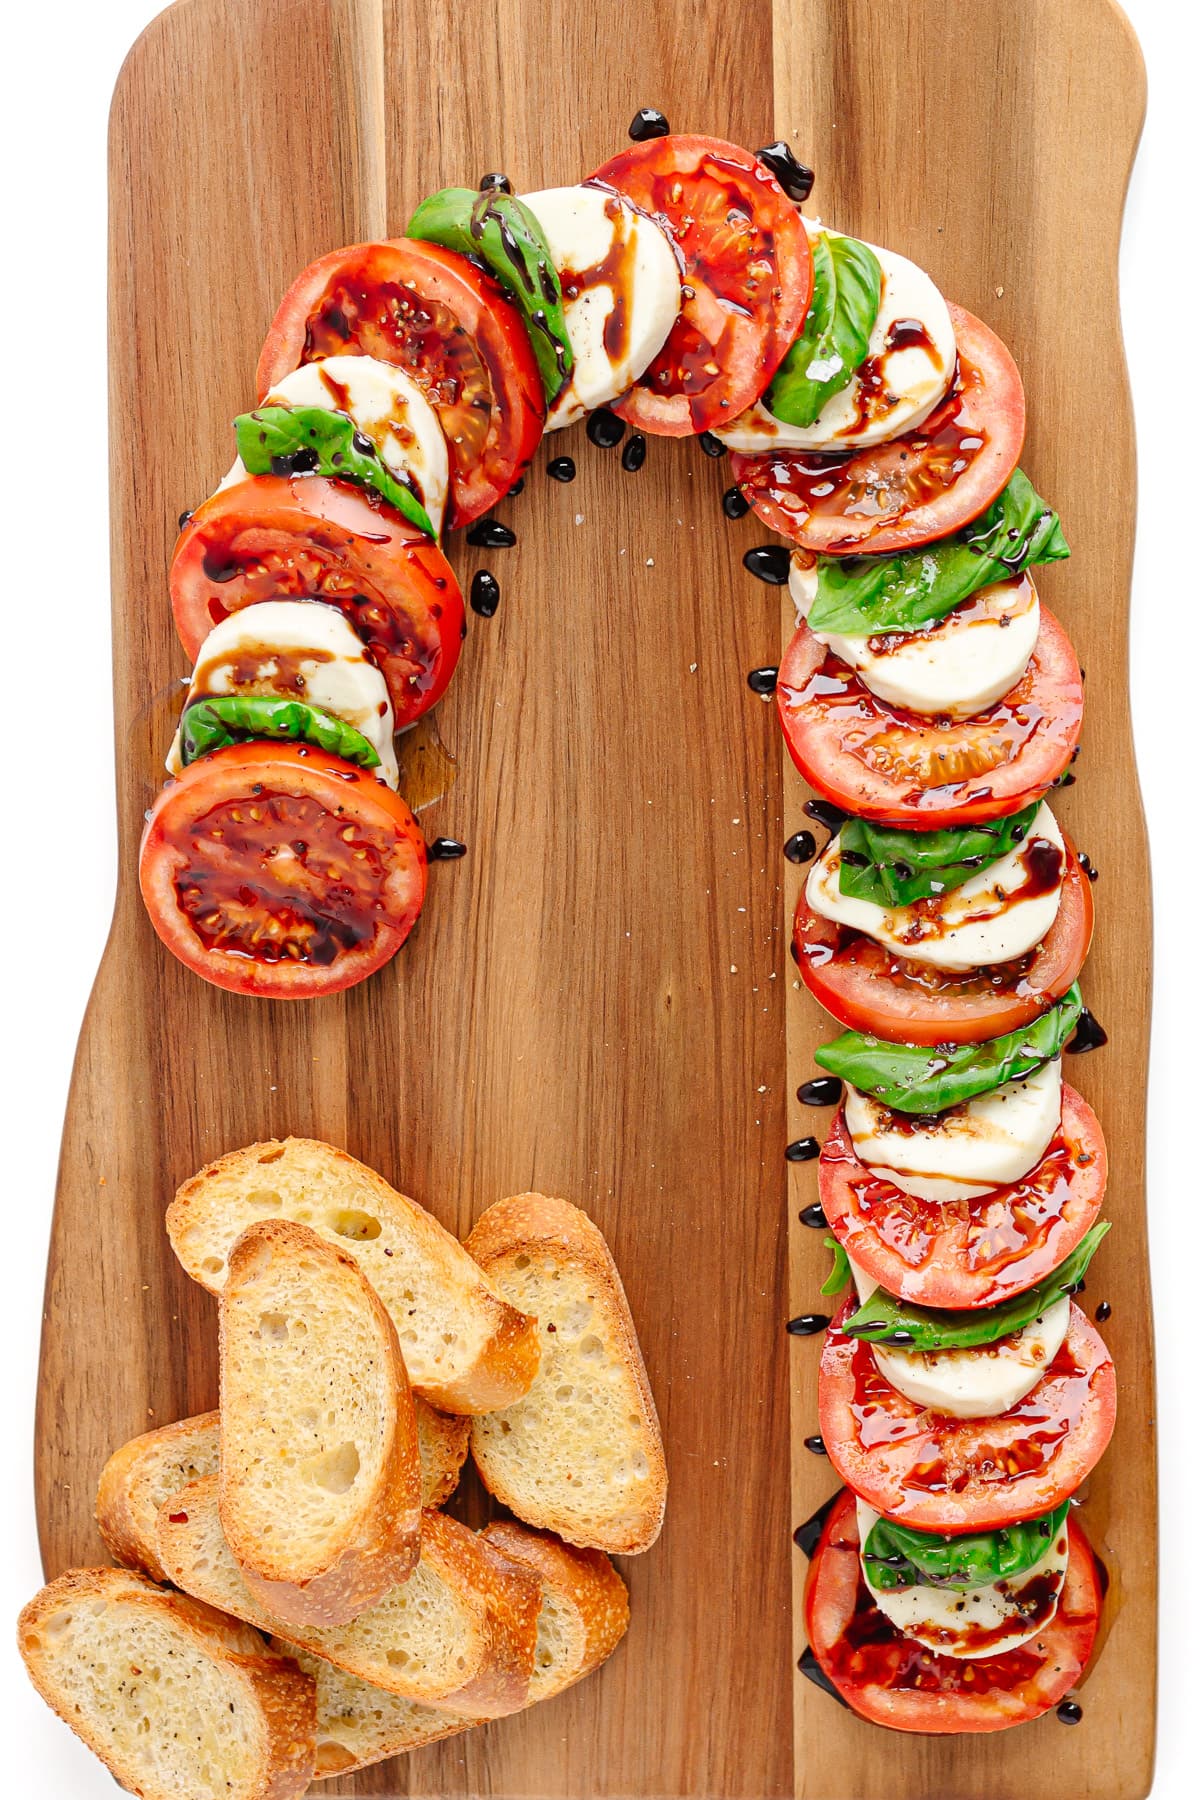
334, 1470
264, 1200
359, 1226
212, 1265
273, 1326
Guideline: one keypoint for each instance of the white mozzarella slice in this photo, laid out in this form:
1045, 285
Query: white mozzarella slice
988, 920
620, 286
958, 1155
979, 1383
952, 668
974, 1621
896, 387
388, 407
300, 650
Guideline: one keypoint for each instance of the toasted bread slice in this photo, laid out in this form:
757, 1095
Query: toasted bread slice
581, 1453
358, 1725
585, 1605
459, 1633
466, 1349
320, 1475
143, 1474
178, 1701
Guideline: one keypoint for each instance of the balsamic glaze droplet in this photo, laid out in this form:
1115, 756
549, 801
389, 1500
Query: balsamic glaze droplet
814, 1217
1089, 1035
491, 534
795, 178
183, 519
807, 1324
811, 1669
445, 849
824, 1090
770, 563
518, 487
806, 1537
1069, 1713
802, 1150
1067, 780
801, 847
634, 453
762, 681
734, 503
296, 462
485, 593
495, 183
1089, 868
816, 1445
648, 122
605, 429
825, 813
561, 468
712, 446
1103, 1312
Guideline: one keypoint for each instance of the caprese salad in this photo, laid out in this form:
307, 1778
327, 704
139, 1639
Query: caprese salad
402, 390
934, 705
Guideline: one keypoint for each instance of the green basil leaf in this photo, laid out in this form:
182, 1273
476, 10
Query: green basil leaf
500, 231
847, 284
893, 868
232, 718
885, 1320
858, 596
900, 1557
308, 440
839, 1276
912, 1078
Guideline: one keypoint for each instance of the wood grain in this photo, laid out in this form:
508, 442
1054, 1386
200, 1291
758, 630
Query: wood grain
594, 1002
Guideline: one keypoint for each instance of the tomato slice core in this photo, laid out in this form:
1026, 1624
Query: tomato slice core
965, 1253
281, 870
914, 488
892, 1680
946, 1474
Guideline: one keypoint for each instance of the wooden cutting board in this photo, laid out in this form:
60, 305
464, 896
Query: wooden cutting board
598, 1001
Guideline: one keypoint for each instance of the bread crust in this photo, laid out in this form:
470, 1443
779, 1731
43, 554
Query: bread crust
283, 1696
511, 1594
583, 1579
540, 1225
381, 1545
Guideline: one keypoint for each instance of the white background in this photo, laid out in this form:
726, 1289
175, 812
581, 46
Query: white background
61, 62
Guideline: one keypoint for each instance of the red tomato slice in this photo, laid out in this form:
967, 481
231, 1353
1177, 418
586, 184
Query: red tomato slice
278, 870
871, 989
963, 1253
939, 1473
913, 489
747, 272
892, 1680
897, 768
450, 326
301, 537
